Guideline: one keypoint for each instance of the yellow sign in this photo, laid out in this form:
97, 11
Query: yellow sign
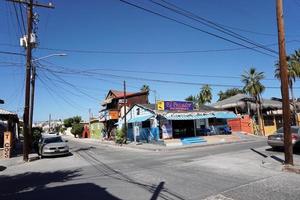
160, 105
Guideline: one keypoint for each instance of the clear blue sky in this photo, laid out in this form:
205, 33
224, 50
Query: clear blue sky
115, 26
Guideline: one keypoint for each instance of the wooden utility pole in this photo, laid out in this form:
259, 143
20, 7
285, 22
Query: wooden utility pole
32, 98
29, 45
288, 147
27, 87
125, 121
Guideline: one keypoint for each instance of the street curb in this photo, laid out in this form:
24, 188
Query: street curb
166, 149
191, 146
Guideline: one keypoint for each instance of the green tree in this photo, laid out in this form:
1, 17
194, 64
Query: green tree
68, 122
293, 62
145, 88
229, 93
205, 95
253, 86
77, 130
76, 119
191, 98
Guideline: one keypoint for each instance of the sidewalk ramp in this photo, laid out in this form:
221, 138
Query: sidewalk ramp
192, 140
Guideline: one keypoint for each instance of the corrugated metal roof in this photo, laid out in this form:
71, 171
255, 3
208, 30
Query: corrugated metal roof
187, 116
140, 118
6, 112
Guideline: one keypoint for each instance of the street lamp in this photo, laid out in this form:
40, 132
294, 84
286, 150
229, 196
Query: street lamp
48, 56
33, 86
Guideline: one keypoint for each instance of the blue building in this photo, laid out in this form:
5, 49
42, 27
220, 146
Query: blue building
145, 123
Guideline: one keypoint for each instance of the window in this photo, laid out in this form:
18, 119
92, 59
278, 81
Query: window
138, 111
130, 125
268, 121
146, 124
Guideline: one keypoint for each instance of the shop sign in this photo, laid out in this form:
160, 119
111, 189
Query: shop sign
114, 114
7, 144
175, 105
160, 105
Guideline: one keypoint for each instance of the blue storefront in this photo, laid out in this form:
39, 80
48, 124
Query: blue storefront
146, 124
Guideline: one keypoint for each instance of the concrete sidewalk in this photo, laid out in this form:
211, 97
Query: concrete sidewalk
174, 144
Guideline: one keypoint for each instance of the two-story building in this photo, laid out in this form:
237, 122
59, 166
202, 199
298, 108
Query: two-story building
113, 105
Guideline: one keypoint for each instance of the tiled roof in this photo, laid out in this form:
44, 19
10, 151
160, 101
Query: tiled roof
120, 94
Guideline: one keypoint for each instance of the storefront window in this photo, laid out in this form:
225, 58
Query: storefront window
146, 124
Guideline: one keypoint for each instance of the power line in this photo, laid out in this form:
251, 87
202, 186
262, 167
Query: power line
93, 70
210, 24
195, 28
12, 53
17, 16
64, 98
22, 18
92, 74
145, 52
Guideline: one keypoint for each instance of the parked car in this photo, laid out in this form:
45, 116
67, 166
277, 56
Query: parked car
52, 145
276, 140
225, 130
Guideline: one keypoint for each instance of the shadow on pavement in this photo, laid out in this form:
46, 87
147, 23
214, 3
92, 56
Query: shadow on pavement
2, 168
33, 186
105, 170
296, 151
84, 149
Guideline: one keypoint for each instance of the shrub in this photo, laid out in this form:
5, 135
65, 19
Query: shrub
77, 130
120, 136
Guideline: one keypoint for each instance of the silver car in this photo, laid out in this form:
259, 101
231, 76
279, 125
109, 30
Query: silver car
276, 140
52, 145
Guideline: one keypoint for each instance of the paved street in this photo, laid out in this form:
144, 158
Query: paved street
96, 171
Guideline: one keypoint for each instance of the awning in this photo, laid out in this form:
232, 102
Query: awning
188, 116
140, 118
225, 115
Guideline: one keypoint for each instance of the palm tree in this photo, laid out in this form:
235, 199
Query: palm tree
193, 99
293, 73
205, 95
145, 88
254, 87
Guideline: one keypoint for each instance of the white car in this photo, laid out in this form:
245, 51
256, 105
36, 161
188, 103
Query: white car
52, 145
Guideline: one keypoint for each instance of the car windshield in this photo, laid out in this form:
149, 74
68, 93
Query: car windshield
53, 140
293, 130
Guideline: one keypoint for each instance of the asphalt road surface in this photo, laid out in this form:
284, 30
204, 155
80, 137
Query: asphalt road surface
96, 171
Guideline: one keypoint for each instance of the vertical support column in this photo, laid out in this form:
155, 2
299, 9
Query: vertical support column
195, 131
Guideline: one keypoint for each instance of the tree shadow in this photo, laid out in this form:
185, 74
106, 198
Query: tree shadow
34, 186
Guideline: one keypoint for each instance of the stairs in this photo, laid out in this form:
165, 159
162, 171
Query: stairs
192, 140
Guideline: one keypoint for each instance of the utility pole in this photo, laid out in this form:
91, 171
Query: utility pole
288, 147
33, 73
49, 122
125, 122
29, 45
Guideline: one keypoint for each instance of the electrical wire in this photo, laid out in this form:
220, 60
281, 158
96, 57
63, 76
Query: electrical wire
93, 74
17, 17
210, 24
22, 18
145, 52
195, 28
12, 53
